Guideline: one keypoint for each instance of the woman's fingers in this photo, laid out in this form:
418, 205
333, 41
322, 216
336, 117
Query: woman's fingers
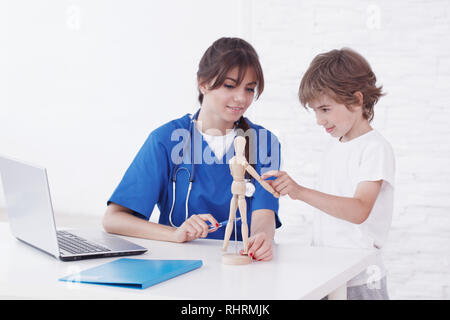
266, 256
197, 230
260, 248
254, 245
198, 222
196, 227
189, 231
200, 225
263, 251
211, 219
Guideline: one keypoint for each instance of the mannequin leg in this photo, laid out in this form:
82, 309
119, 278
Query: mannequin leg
229, 228
244, 227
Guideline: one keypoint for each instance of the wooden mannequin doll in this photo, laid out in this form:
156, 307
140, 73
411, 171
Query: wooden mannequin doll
238, 167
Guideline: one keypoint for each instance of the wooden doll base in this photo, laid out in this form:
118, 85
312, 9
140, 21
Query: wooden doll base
235, 259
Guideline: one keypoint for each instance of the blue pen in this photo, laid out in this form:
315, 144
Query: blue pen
221, 224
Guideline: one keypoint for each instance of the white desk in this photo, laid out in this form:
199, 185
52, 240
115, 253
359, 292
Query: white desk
296, 272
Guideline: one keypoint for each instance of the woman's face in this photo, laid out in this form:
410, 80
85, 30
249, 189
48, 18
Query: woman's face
229, 102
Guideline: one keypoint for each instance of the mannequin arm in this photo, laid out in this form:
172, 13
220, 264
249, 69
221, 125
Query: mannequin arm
264, 184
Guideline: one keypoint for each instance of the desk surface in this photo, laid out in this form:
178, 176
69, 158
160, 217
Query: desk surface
296, 272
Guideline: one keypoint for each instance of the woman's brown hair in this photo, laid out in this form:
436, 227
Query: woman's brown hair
340, 74
220, 58
224, 55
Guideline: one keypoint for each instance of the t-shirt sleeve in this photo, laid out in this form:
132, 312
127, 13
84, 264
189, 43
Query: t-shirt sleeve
262, 199
377, 163
145, 180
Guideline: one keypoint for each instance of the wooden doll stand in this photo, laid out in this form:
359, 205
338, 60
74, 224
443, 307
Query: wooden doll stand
235, 259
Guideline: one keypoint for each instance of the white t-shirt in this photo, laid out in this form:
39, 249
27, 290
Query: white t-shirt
220, 144
366, 158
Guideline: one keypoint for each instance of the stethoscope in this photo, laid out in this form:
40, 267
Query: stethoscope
250, 187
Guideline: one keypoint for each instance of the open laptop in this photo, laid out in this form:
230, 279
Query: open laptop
31, 218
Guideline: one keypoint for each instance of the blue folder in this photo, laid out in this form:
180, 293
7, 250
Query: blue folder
134, 273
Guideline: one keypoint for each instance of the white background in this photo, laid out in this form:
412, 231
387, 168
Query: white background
82, 83
87, 81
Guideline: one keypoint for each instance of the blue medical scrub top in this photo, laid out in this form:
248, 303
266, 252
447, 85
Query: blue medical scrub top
148, 179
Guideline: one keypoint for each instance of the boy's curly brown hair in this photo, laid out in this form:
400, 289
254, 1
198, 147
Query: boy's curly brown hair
340, 74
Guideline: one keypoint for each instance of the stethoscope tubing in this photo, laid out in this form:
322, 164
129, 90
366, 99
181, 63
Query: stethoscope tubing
190, 173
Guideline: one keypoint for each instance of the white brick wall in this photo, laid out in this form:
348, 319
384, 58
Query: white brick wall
408, 45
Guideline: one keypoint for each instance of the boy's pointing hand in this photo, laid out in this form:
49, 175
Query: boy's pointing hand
283, 183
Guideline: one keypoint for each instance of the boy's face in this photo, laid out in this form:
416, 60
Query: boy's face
336, 118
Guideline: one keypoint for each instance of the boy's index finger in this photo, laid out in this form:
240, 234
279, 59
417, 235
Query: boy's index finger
271, 173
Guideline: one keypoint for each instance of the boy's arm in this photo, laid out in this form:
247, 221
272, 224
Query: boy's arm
354, 209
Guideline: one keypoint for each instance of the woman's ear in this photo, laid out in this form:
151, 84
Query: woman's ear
202, 86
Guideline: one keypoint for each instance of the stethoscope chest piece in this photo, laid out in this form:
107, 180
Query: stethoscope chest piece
249, 188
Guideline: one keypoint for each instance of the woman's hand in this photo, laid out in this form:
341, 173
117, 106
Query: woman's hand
284, 184
260, 247
262, 233
195, 227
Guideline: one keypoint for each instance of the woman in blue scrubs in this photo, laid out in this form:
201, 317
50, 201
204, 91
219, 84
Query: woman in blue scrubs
198, 148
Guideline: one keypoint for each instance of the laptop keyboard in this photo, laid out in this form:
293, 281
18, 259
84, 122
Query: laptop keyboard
77, 245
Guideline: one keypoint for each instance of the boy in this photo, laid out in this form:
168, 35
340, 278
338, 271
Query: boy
356, 183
